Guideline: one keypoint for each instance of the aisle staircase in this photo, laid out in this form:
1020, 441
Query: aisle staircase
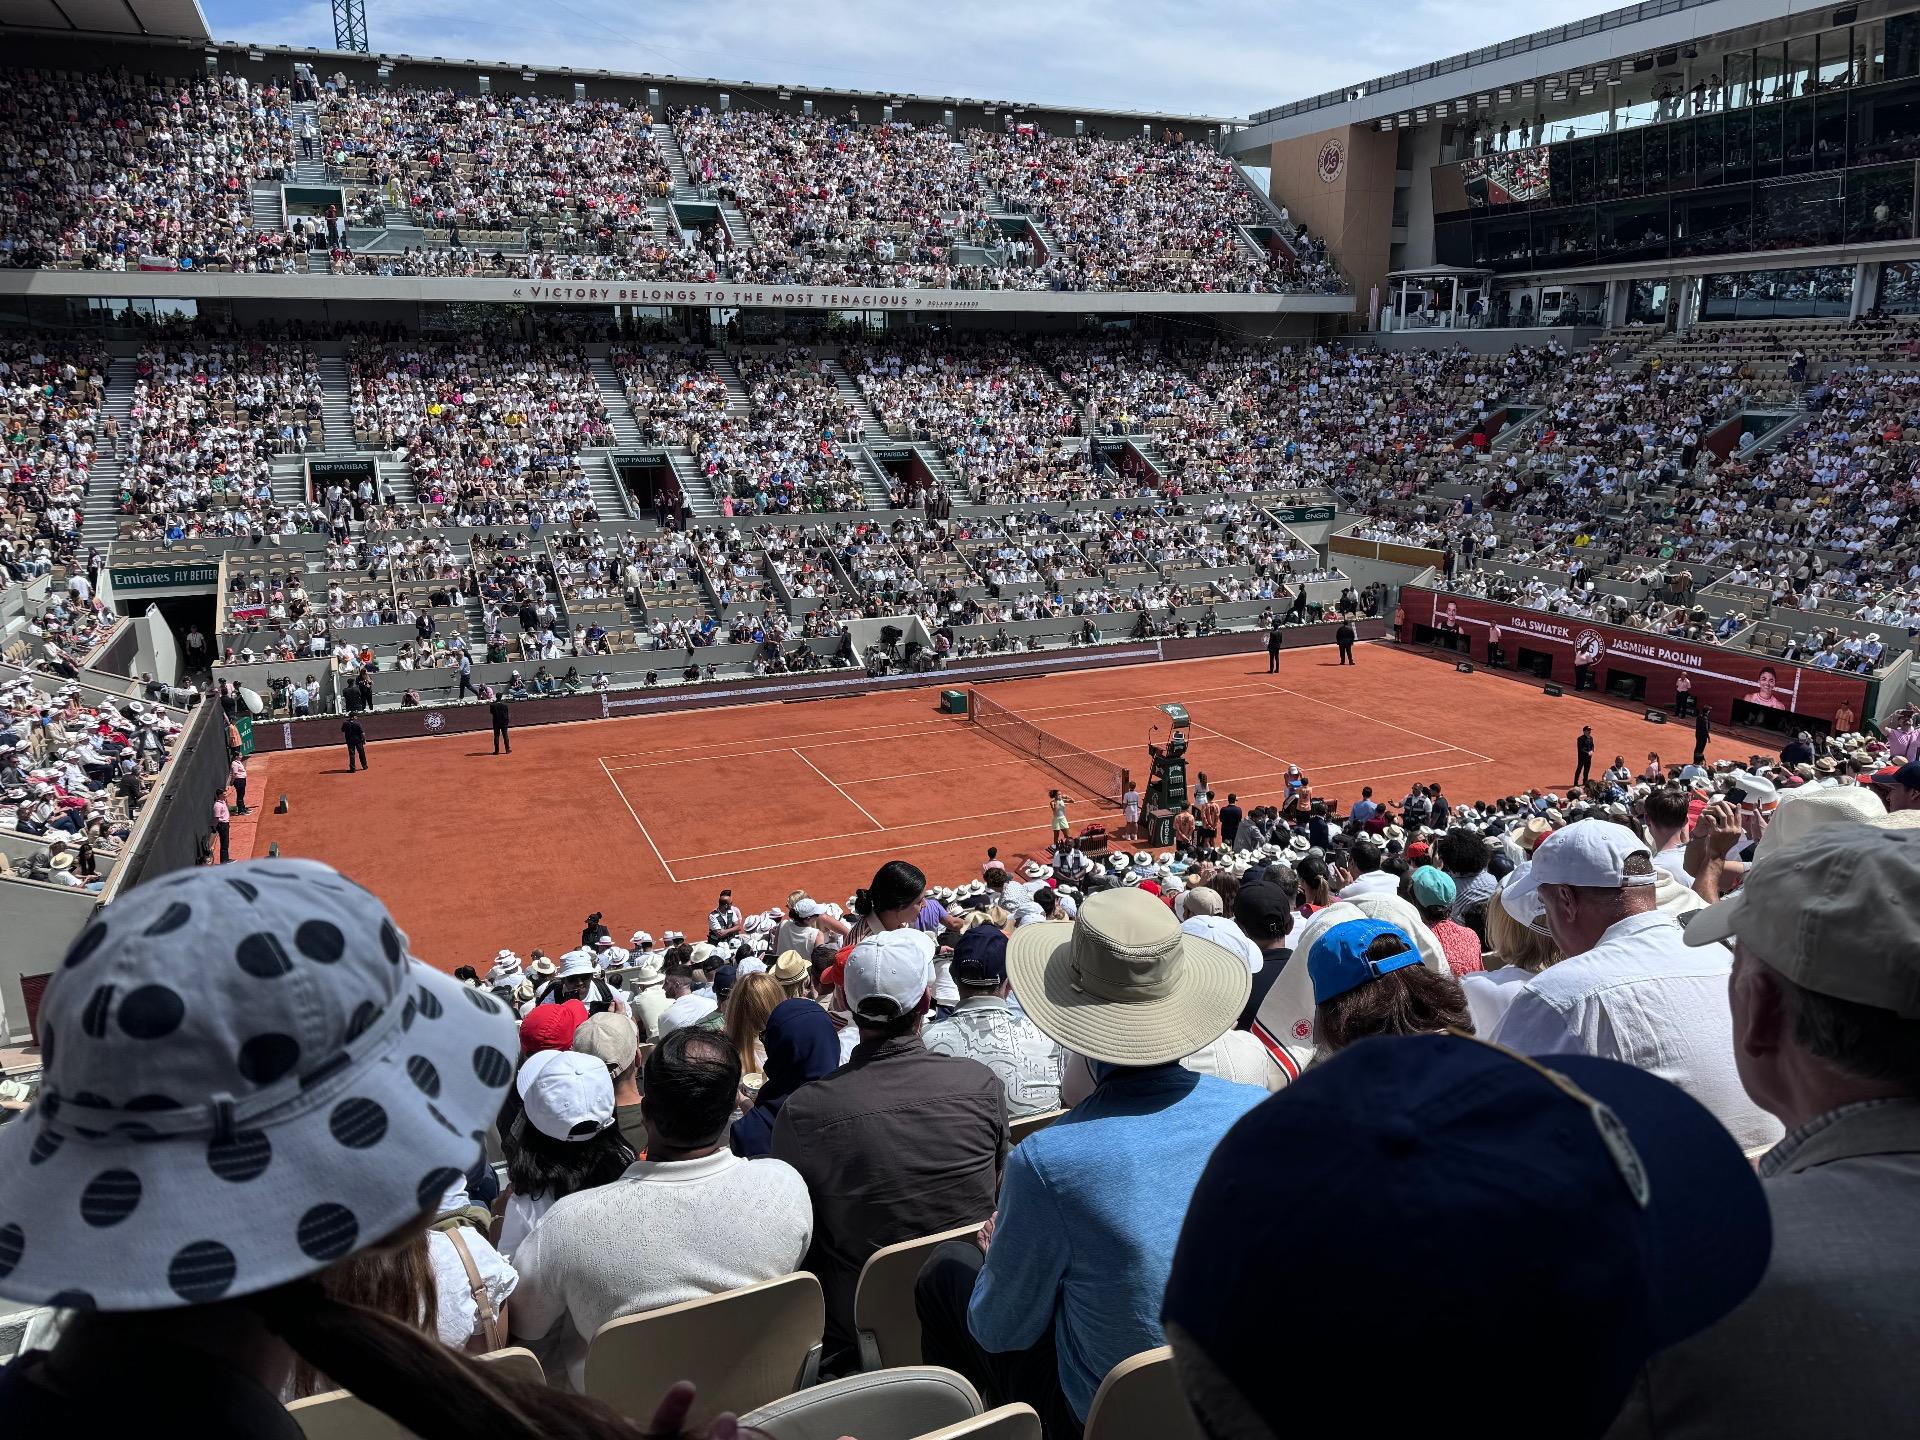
872, 430
336, 405
100, 517
613, 394
668, 145
722, 364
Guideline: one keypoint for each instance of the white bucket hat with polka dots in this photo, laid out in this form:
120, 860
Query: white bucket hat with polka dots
247, 1078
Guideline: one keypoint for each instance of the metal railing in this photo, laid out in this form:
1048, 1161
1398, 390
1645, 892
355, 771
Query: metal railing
1466, 60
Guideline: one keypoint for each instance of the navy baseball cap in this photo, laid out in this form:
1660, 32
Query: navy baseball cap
1908, 775
1437, 1185
1338, 960
980, 957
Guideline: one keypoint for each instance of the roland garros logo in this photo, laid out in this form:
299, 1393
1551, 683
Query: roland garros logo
1588, 646
436, 720
1332, 161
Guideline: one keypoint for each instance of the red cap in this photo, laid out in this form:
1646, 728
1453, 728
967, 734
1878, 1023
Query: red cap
1418, 850
551, 1027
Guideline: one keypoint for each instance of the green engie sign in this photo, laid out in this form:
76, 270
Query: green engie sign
1303, 514
165, 577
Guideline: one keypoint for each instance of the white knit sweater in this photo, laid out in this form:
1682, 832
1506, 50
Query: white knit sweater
660, 1234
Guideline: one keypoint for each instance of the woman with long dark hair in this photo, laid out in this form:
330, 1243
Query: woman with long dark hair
891, 900
272, 1087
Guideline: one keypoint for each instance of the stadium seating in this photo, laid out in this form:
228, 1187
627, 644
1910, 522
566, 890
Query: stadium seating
904, 1401
439, 182
339, 1415
742, 1349
1008, 1422
1141, 1400
883, 1309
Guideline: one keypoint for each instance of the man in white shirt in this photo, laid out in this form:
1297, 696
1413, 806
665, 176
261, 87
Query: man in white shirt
1368, 877
692, 1219
1630, 989
1667, 821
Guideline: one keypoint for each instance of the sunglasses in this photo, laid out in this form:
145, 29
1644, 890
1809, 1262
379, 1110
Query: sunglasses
1611, 1129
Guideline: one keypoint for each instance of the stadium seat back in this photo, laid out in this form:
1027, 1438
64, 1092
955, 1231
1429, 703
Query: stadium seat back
906, 1401
883, 1312
1033, 1124
341, 1415
1141, 1400
742, 1349
1009, 1422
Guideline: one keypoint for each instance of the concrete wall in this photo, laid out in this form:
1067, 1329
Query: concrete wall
42, 921
1353, 210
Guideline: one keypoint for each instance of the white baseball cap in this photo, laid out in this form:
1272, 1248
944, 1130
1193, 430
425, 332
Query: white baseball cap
568, 1094
888, 973
1591, 854
805, 909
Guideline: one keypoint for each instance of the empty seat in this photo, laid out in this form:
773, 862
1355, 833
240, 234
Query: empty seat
1141, 1400
902, 1402
742, 1349
884, 1317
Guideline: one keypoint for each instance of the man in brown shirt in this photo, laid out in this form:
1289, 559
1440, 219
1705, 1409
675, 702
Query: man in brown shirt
897, 1143
1209, 817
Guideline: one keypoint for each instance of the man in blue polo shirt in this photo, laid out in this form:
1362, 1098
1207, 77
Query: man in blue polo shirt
1065, 1281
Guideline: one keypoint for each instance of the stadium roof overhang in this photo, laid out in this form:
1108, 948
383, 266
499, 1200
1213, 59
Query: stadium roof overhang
160, 19
1637, 48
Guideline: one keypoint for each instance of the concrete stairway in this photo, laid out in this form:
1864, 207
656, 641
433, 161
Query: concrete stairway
739, 231
668, 145
700, 497
266, 213
943, 471
336, 404
610, 498
871, 429
875, 483
288, 475
397, 476
100, 519
721, 364
626, 429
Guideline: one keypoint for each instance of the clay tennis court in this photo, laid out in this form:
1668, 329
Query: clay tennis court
648, 818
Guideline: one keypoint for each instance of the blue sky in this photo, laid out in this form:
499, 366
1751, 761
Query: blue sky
1202, 56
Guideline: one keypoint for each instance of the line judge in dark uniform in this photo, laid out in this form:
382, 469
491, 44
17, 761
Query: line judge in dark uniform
1344, 638
356, 738
1274, 640
498, 710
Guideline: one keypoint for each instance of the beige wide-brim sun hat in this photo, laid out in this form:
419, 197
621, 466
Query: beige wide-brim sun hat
1123, 984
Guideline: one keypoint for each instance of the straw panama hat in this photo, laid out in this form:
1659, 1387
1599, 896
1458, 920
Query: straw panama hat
1123, 984
246, 1063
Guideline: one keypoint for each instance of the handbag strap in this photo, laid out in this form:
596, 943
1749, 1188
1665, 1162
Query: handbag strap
490, 1324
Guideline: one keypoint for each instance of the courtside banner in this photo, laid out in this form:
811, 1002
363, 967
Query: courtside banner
1738, 684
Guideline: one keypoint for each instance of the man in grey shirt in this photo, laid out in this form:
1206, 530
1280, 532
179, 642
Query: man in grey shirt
986, 1028
1826, 1030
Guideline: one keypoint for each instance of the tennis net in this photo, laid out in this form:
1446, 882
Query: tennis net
1079, 766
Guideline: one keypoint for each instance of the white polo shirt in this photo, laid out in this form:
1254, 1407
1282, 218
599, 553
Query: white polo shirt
1644, 997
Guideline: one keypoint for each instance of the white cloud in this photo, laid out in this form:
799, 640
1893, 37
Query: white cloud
1206, 56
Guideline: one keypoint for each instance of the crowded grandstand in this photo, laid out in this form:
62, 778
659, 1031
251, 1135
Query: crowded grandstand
357, 410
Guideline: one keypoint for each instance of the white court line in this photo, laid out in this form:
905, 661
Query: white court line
1382, 759
1375, 719
637, 821
1236, 740
836, 785
1037, 809
945, 840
